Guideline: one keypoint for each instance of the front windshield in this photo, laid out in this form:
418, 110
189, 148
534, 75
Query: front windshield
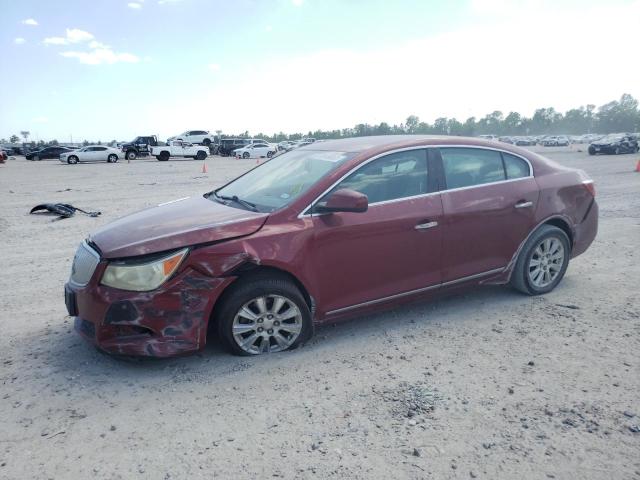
612, 138
282, 179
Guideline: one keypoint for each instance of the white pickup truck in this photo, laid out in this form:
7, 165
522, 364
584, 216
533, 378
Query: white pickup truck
178, 148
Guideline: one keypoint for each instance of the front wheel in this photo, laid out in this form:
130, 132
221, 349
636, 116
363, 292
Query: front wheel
112, 158
269, 154
163, 157
201, 155
72, 160
263, 315
131, 155
245, 155
206, 142
542, 262
592, 151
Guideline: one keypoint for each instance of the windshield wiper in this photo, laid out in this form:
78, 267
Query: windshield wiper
234, 198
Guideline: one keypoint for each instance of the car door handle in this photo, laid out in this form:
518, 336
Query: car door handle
425, 226
523, 204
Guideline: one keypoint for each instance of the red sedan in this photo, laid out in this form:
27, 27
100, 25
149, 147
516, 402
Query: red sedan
327, 231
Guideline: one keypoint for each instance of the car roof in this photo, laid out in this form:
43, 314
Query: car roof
388, 142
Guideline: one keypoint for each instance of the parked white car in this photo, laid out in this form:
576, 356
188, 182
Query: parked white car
255, 150
92, 153
177, 148
194, 136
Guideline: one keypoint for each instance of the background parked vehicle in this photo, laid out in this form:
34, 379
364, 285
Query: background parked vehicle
178, 148
255, 150
614, 144
139, 147
91, 153
46, 153
195, 136
228, 145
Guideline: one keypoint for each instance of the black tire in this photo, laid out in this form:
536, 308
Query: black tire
113, 158
245, 155
244, 291
206, 142
269, 154
164, 156
201, 155
132, 155
72, 160
592, 151
520, 278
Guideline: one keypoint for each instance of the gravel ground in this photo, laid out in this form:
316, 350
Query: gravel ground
489, 384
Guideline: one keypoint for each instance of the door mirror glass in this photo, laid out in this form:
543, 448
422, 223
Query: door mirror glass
343, 200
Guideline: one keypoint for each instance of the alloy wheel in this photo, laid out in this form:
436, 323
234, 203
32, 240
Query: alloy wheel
266, 324
546, 262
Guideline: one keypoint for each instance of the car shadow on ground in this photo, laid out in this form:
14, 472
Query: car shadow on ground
65, 355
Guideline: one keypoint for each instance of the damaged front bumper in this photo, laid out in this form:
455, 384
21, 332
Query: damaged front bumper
171, 320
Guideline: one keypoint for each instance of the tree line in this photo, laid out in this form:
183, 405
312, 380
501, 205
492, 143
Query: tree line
616, 116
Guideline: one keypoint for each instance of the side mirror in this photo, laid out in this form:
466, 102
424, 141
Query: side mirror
343, 200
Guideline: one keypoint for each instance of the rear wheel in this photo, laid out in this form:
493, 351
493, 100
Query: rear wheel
269, 154
592, 151
164, 156
263, 315
201, 155
206, 142
112, 158
72, 160
542, 262
132, 155
245, 155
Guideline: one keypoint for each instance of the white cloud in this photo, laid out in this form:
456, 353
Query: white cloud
96, 44
73, 35
99, 56
19, 40
31, 22
214, 67
134, 5
55, 41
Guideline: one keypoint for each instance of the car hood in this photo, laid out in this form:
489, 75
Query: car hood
175, 224
606, 142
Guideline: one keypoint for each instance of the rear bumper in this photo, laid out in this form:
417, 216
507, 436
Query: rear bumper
172, 320
585, 232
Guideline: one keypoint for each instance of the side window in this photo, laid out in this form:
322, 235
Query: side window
399, 175
465, 167
515, 167
101, 149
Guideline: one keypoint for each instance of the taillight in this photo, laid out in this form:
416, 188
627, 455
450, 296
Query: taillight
590, 186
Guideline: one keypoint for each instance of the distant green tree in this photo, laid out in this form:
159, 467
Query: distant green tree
53, 142
14, 139
85, 143
411, 125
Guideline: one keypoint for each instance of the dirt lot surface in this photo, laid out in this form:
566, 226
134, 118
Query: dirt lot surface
489, 384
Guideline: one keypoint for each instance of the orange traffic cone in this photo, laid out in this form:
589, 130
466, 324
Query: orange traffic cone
204, 167
638, 166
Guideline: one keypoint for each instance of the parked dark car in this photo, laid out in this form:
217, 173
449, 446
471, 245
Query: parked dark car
47, 153
228, 145
614, 144
139, 147
324, 232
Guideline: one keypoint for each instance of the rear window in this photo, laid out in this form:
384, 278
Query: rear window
515, 166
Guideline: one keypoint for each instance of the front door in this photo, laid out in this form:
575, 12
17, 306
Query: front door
489, 205
394, 247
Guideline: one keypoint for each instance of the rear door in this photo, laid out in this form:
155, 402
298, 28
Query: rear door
393, 248
489, 200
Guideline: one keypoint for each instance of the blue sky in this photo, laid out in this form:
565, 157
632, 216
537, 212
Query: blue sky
111, 69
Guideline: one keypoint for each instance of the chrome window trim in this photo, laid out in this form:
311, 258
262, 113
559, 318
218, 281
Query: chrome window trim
306, 213
416, 291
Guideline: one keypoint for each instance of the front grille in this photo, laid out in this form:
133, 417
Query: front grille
84, 264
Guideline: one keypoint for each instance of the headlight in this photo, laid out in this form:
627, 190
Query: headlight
142, 277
